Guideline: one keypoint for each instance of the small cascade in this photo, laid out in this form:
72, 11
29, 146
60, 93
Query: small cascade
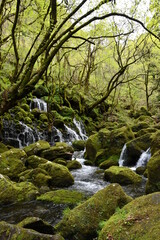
81, 129
19, 135
38, 103
71, 134
58, 135
123, 155
144, 158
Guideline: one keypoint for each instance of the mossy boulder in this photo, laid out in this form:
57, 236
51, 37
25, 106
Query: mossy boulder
82, 222
10, 231
36, 148
135, 148
12, 162
60, 150
153, 173
122, 175
139, 126
33, 161
137, 220
112, 161
62, 196
140, 170
3, 148
61, 177
74, 164
43, 117
39, 177
79, 145
106, 143
67, 112
155, 142
36, 224
14, 192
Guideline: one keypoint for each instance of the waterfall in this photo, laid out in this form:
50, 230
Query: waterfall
59, 135
123, 155
38, 103
71, 134
144, 158
81, 129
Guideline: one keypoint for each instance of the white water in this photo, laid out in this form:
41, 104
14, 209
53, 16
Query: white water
81, 129
86, 179
144, 158
38, 103
123, 155
72, 135
59, 134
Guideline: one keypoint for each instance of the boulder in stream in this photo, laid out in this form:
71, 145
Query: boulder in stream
36, 148
122, 175
137, 220
10, 231
82, 222
11, 192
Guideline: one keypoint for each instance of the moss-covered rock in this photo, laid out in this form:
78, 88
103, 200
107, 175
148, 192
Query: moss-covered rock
39, 177
140, 170
62, 197
155, 142
74, 164
3, 148
60, 150
14, 192
40, 91
82, 222
61, 177
137, 220
27, 120
36, 148
33, 161
105, 143
43, 117
122, 175
135, 147
12, 162
153, 173
10, 231
79, 145
112, 161
67, 112
36, 224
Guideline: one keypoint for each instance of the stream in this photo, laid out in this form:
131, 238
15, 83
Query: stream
88, 179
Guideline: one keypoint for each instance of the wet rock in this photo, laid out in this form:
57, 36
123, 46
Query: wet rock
112, 161
138, 220
33, 161
61, 177
122, 175
60, 150
82, 222
74, 164
36, 224
79, 145
62, 197
14, 192
153, 170
140, 170
10, 231
36, 148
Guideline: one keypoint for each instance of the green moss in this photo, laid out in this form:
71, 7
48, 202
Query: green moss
137, 220
28, 120
82, 222
3, 148
111, 161
62, 197
74, 164
122, 175
36, 148
33, 161
79, 145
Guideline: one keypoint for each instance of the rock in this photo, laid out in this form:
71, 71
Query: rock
74, 164
137, 220
62, 196
12, 163
3, 148
112, 161
82, 222
36, 148
67, 112
39, 177
33, 161
153, 170
79, 145
105, 143
11, 192
10, 231
61, 177
140, 170
60, 150
36, 224
135, 147
155, 143
122, 175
